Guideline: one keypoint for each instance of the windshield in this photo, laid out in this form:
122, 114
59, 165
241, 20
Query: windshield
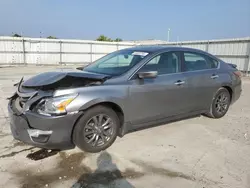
116, 63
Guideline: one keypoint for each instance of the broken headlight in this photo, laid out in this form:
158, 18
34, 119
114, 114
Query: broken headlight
55, 105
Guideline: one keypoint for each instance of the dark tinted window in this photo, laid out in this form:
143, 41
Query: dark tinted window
165, 63
194, 61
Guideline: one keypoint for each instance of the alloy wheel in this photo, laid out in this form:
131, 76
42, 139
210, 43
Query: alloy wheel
222, 103
99, 130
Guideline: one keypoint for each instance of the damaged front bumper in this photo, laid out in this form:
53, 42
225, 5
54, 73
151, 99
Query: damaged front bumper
49, 132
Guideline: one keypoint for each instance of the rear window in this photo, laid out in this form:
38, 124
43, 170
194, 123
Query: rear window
196, 61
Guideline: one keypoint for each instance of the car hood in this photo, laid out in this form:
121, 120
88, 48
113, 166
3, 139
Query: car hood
51, 80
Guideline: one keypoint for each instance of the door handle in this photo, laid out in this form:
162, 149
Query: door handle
214, 76
179, 82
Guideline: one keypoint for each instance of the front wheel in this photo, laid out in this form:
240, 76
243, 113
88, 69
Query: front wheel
220, 104
97, 129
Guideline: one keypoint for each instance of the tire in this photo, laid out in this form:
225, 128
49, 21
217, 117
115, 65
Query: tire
220, 104
92, 135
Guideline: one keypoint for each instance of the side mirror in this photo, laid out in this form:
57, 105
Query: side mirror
150, 74
79, 68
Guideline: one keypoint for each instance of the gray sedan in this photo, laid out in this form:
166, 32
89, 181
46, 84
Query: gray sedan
122, 91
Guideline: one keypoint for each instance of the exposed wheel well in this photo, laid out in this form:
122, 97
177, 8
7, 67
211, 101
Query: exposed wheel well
229, 90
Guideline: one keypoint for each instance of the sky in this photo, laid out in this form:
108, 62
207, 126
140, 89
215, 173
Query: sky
126, 19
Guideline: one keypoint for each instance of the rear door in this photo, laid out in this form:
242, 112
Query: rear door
202, 74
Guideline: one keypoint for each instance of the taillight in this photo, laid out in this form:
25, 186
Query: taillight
238, 74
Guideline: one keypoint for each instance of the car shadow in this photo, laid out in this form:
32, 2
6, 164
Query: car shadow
71, 166
107, 174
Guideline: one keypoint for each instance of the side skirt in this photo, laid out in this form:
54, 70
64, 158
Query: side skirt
128, 127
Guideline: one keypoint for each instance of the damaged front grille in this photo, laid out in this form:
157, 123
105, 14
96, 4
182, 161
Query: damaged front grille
20, 98
26, 98
20, 104
22, 101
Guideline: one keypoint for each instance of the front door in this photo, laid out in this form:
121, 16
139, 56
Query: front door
162, 96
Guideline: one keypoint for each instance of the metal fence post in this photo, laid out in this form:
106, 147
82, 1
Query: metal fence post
207, 46
91, 53
24, 56
60, 43
248, 59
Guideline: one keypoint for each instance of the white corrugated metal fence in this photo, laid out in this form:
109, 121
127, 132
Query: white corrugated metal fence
54, 51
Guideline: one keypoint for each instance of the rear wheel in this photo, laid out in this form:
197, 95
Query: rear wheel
97, 129
220, 104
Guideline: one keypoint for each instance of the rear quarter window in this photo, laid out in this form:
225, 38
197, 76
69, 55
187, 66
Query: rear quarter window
212, 62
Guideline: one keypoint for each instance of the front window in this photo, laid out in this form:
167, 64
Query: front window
116, 63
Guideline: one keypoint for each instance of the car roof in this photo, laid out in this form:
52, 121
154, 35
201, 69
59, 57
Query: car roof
156, 48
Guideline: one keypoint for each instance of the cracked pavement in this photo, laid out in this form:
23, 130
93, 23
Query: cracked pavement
197, 152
